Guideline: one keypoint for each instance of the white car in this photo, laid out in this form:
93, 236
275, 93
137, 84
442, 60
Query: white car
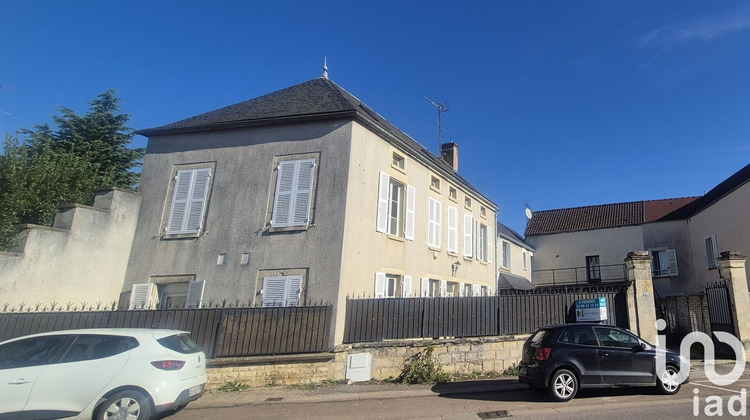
109, 373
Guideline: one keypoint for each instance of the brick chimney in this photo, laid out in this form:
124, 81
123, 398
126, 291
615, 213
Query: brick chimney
449, 153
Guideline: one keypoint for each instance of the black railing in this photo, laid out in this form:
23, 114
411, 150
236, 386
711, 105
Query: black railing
615, 273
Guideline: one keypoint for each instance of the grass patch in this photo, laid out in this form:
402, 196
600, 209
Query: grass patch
512, 370
233, 386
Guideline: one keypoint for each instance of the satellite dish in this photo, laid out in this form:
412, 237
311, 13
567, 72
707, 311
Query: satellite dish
529, 214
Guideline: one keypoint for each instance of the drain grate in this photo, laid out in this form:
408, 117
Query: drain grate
494, 414
275, 399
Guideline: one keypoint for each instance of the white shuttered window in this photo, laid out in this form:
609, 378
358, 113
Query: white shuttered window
452, 229
281, 291
188, 201
294, 185
433, 228
468, 236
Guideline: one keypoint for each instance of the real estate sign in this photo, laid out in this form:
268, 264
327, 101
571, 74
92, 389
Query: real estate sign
591, 310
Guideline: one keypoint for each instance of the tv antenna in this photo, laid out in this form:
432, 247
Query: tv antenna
442, 107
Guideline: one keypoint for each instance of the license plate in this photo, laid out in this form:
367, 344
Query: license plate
195, 390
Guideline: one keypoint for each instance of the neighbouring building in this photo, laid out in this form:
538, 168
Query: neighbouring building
303, 196
683, 235
515, 260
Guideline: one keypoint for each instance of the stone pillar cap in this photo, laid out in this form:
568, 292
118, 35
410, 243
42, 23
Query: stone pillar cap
732, 255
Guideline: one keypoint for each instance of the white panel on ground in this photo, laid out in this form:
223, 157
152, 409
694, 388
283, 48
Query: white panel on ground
358, 367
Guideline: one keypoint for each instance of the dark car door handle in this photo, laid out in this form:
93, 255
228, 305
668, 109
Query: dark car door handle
604, 355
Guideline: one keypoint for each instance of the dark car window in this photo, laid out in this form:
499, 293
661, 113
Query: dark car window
578, 335
31, 351
611, 337
538, 337
91, 347
180, 343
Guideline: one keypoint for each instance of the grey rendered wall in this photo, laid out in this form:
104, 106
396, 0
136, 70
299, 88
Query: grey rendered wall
236, 214
673, 235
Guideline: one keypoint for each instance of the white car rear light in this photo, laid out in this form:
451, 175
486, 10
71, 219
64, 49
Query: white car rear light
169, 364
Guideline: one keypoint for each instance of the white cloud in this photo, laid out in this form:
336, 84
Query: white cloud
696, 30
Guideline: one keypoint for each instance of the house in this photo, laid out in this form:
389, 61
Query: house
683, 235
515, 260
303, 196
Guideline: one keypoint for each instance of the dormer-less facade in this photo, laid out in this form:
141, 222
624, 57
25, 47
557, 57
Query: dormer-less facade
303, 196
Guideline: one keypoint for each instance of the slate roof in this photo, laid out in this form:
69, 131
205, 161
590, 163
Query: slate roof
513, 236
316, 99
635, 213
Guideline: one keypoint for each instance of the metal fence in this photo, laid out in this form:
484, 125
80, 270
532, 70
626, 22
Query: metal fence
511, 312
616, 273
219, 332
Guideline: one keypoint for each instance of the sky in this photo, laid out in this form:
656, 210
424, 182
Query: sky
553, 104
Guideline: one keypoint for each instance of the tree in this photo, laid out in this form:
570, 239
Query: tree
43, 168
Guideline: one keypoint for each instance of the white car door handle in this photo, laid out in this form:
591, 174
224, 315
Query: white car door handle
19, 381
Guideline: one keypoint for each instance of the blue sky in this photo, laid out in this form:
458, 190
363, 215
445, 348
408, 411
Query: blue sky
553, 103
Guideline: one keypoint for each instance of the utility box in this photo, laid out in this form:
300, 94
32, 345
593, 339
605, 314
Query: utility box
359, 367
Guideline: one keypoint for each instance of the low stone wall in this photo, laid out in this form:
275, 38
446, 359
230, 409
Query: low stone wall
457, 356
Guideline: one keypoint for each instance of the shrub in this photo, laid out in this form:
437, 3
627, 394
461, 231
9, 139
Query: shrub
421, 368
233, 386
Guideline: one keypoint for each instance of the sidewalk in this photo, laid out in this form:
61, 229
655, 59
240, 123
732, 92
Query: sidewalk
377, 390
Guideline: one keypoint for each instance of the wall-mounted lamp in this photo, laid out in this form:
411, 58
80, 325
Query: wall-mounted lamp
454, 268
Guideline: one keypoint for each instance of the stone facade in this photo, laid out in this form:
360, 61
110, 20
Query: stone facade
458, 356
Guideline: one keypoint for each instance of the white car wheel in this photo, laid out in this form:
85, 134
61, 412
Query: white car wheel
126, 405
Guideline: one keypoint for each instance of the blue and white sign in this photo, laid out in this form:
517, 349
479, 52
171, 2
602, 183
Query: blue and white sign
591, 310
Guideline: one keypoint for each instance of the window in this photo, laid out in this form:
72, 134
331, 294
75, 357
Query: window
221, 259
392, 286
91, 347
281, 291
452, 289
398, 161
468, 235
245, 258
593, 270
452, 193
579, 335
467, 290
431, 288
433, 226
484, 243
452, 229
169, 294
395, 209
187, 207
711, 252
664, 263
506, 254
467, 202
31, 351
435, 183
525, 265
483, 211
293, 193
610, 337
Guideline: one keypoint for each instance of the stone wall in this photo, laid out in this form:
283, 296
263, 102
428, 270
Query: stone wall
456, 356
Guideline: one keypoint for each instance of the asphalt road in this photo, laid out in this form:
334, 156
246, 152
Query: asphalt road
469, 400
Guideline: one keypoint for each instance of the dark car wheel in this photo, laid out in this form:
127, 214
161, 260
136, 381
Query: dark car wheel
125, 405
669, 381
563, 385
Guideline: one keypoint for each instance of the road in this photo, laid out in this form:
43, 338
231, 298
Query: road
449, 402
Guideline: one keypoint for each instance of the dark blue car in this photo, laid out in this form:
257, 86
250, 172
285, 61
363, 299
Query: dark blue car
564, 358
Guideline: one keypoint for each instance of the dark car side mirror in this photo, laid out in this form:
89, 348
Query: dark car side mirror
639, 347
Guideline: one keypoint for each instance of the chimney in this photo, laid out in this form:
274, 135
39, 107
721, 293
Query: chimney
449, 153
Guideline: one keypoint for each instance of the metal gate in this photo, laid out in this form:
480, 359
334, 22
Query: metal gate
720, 313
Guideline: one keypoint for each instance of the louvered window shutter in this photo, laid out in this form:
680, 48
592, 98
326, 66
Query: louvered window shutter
443, 287
302, 192
407, 286
382, 223
197, 203
273, 291
282, 202
379, 285
141, 296
410, 205
195, 294
452, 229
180, 198
468, 236
433, 226
461, 290
476, 290
293, 290
672, 258
425, 286
490, 245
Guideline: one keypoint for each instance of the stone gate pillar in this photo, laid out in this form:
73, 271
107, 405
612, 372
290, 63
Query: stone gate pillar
641, 304
732, 270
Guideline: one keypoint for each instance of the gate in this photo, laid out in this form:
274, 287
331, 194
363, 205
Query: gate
720, 313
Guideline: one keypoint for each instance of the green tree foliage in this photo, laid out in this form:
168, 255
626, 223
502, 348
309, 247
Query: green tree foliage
43, 168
